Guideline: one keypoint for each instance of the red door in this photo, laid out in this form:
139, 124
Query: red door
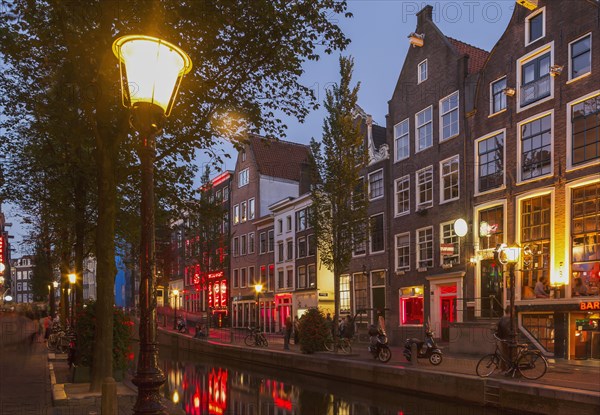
448, 313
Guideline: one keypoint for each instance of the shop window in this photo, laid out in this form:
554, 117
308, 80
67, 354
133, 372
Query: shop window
535, 239
360, 291
345, 293
585, 237
541, 327
491, 227
411, 305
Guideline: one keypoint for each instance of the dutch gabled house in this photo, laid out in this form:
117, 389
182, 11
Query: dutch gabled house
428, 137
267, 171
535, 153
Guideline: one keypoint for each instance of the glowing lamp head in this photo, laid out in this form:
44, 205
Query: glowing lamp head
55, 284
72, 278
1, 280
460, 227
175, 292
8, 298
151, 70
508, 254
258, 288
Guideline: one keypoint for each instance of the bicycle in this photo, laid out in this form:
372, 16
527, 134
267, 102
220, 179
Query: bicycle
530, 364
256, 338
342, 343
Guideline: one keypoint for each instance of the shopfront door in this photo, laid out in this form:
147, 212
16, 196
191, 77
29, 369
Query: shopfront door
448, 315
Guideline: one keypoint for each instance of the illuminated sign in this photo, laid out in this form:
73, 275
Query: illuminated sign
2, 251
214, 275
589, 305
217, 291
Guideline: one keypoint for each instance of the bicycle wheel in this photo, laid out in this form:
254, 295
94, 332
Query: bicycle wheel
385, 354
345, 346
249, 340
532, 365
487, 365
263, 341
329, 345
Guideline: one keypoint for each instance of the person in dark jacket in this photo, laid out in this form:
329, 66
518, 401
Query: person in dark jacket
287, 333
503, 333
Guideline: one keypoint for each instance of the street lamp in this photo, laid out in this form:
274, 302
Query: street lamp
72, 281
53, 299
151, 72
510, 255
460, 227
258, 288
175, 300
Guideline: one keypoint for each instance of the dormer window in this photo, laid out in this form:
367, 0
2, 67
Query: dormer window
535, 27
422, 72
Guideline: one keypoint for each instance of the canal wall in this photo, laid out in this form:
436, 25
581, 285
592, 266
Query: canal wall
524, 397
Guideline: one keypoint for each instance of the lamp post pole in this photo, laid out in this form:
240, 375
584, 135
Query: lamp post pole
258, 289
175, 301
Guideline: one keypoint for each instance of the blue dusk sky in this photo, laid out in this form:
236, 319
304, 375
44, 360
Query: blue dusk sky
379, 32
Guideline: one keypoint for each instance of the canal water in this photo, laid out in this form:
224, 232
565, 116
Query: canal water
205, 386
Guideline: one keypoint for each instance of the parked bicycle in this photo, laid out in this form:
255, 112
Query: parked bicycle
256, 338
59, 340
342, 343
531, 364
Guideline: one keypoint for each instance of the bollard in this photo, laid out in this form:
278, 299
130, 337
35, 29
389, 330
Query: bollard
414, 351
108, 404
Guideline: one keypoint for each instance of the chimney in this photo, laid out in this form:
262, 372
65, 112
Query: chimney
424, 15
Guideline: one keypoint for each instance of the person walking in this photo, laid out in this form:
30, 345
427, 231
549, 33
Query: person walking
288, 333
296, 330
503, 333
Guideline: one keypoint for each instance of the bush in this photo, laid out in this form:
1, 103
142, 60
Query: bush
313, 330
86, 331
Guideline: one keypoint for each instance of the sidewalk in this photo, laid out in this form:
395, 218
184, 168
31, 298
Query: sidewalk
575, 374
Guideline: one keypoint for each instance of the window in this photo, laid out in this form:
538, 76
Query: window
425, 247
498, 101
312, 276
535, 79
251, 243
244, 178
359, 242
301, 247
580, 57
411, 305
236, 278
402, 202
536, 148
376, 185
535, 234
271, 241
491, 227
360, 291
262, 243
243, 245
251, 212
425, 188
448, 237
449, 175
401, 140
377, 239
251, 278
403, 252
279, 226
585, 131
244, 211
585, 236
236, 246
290, 278
312, 245
290, 250
449, 116
271, 277
490, 162
345, 293
263, 276
288, 223
301, 277
225, 193
280, 279
236, 214
243, 277
280, 251
535, 27
302, 220
422, 72
424, 128
358, 195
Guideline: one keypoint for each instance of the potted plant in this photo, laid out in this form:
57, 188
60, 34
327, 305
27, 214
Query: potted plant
85, 331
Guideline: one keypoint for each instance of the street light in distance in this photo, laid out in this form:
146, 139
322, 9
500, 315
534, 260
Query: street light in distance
151, 72
258, 288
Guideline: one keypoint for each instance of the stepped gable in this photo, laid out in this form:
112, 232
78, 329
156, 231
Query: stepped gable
477, 56
277, 158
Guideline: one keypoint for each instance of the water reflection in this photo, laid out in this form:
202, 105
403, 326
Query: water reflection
208, 387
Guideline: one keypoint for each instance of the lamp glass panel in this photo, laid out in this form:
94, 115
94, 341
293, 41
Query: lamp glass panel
152, 71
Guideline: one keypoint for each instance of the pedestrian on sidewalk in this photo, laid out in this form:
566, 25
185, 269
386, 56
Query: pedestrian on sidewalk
503, 333
288, 333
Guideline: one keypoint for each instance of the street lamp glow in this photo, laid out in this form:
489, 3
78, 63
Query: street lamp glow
175, 292
258, 288
8, 298
460, 227
508, 254
151, 70
55, 284
72, 278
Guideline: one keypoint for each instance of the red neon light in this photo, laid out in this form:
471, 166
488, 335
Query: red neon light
220, 178
213, 275
283, 404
